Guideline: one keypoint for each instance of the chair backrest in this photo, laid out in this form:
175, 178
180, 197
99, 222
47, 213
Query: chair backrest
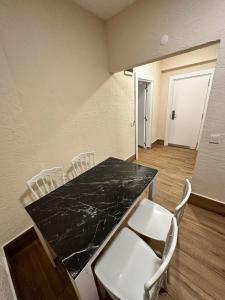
46, 181
179, 210
155, 283
83, 162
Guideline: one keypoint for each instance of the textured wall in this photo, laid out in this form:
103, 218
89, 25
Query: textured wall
209, 173
134, 34
56, 97
188, 24
203, 55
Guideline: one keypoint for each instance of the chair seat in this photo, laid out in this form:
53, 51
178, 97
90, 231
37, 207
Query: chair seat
125, 267
151, 219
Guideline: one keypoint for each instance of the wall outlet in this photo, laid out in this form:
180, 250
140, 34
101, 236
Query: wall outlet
214, 139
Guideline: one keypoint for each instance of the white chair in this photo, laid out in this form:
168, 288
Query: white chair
46, 181
83, 162
41, 184
152, 220
130, 270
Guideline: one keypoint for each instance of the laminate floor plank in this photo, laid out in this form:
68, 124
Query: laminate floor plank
34, 276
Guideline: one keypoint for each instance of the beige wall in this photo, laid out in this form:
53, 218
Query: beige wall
199, 56
134, 35
56, 97
188, 24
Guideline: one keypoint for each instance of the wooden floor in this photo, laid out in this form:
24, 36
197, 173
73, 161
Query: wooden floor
198, 267
34, 276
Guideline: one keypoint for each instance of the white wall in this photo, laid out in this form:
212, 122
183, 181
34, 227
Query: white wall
188, 24
56, 97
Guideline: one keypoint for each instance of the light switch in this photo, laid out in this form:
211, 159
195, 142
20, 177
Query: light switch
214, 138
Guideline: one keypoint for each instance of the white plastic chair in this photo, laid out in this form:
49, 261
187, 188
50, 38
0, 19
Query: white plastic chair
41, 184
83, 162
46, 181
130, 270
152, 220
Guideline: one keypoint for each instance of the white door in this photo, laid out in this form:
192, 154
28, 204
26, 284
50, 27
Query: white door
136, 113
141, 113
148, 115
189, 98
144, 95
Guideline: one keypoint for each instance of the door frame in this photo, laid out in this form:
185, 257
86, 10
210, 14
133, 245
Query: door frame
170, 99
149, 80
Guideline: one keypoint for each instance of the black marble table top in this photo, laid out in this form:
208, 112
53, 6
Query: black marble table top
77, 217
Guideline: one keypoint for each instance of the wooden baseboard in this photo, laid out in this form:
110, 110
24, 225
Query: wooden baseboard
19, 242
157, 142
179, 146
131, 158
208, 204
11, 249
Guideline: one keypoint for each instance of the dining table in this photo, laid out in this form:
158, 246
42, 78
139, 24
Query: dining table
80, 218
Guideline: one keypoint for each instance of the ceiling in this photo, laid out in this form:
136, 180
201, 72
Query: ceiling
104, 9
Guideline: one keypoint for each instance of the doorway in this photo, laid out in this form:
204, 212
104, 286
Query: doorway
180, 88
144, 98
187, 104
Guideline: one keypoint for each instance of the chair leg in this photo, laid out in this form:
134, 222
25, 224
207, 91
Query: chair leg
165, 281
152, 189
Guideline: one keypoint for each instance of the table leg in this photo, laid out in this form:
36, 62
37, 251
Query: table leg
84, 285
152, 189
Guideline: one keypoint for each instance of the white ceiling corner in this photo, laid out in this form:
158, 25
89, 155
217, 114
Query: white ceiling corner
104, 9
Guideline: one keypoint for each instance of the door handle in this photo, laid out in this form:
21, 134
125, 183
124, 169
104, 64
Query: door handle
173, 115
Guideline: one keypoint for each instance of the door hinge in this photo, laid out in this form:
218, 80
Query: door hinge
209, 81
